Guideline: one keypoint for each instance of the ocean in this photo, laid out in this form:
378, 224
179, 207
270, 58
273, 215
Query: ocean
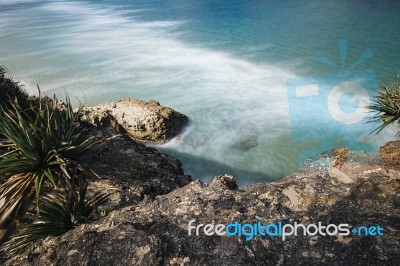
229, 65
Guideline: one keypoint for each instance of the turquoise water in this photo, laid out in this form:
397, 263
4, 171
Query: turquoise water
223, 63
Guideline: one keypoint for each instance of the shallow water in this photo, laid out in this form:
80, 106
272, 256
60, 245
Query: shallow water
225, 64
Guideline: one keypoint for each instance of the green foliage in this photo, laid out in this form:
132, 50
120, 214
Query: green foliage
11, 91
59, 212
386, 105
40, 150
2, 71
41, 147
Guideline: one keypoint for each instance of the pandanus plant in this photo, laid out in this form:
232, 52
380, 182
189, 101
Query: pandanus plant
40, 150
60, 211
386, 105
11, 91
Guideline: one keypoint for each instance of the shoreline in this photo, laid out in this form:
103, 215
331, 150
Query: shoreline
137, 231
153, 201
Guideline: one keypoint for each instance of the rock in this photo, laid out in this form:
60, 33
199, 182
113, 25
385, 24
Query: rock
390, 154
131, 170
248, 137
144, 121
322, 160
225, 182
339, 156
125, 237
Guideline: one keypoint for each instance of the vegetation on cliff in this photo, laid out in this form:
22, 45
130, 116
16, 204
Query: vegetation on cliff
11, 91
41, 143
386, 105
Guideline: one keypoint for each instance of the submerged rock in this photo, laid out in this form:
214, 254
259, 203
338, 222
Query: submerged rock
341, 156
248, 137
144, 121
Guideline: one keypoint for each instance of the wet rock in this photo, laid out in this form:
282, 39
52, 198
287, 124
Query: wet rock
144, 121
248, 135
322, 160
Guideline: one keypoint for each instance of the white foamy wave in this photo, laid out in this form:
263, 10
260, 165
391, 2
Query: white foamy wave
221, 93
14, 2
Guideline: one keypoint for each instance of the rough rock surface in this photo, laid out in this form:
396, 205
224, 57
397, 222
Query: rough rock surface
131, 170
154, 232
390, 154
144, 121
339, 156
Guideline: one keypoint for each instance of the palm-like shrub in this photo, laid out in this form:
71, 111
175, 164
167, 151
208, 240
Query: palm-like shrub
386, 105
59, 212
2, 71
11, 91
40, 150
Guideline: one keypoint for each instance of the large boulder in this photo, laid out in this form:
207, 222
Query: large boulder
155, 232
144, 121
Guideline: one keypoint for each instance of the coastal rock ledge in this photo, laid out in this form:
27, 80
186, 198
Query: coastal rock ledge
143, 121
154, 231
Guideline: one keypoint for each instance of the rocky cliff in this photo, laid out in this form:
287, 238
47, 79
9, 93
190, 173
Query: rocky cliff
155, 201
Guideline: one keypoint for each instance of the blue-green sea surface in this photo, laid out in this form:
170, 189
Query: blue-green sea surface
225, 64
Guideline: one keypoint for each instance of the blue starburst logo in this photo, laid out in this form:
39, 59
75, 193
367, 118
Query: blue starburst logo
343, 45
331, 110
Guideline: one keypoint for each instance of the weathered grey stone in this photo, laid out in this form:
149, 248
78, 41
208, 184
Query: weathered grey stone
131, 170
154, 232
144, 121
